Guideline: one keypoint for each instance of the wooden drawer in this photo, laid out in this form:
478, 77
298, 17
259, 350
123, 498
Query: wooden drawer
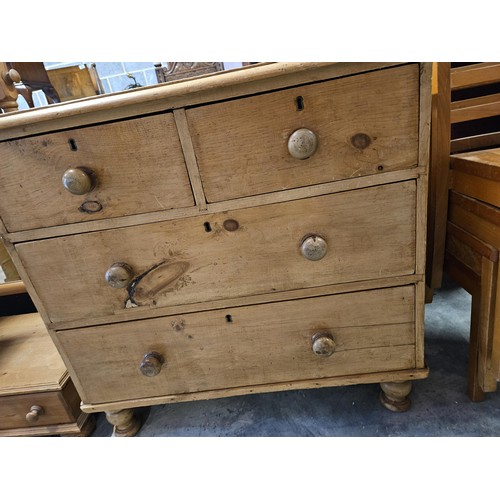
56, 409
373, 332
138, 165
370, 234
32, 373
365, 124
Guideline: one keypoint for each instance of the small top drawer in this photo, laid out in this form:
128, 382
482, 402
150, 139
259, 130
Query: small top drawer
131, 166
348, 127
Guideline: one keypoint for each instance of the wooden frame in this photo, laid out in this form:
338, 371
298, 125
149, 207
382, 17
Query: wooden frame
446, 112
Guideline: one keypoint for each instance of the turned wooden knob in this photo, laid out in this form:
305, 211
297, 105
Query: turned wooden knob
119, 275
313, 247
12, 76
79, 180
302, 143
34, 413
151, 364
323, 344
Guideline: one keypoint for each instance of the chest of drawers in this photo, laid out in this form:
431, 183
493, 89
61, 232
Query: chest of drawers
255, 230
37, 397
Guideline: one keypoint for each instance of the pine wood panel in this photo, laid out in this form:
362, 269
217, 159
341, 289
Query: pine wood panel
28, 359
341, 380
364, 123
261, 344
370, 234
138, 163
180, 213
137, 313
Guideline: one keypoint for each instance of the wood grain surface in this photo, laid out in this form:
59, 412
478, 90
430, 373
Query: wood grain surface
365, 124
370, 235
138, 163
245, 346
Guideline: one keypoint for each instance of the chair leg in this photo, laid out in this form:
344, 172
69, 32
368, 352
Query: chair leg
474, 390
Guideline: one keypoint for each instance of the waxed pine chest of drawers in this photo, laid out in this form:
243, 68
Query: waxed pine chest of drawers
255, 230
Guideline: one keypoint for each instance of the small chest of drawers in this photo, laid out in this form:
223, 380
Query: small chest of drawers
255, 230
37, 397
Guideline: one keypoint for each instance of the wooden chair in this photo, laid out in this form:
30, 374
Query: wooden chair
464, 205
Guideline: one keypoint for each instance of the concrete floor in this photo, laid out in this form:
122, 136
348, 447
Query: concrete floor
440, 406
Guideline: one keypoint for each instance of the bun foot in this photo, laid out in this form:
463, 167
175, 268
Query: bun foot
394, 395
125, 423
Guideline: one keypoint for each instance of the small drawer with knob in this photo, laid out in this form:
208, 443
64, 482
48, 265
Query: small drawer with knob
330, 336
351, 236
37, 396
35, 409
349, 127
110, 170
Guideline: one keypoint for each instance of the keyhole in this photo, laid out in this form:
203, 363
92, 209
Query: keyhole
207, 227
229, 318
72, 145
300, 103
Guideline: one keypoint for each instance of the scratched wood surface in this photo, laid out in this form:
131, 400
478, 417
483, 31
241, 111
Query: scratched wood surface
260, 344
370, 234
365, 124
138, 163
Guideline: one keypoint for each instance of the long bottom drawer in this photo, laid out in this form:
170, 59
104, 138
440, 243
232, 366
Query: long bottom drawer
364, 332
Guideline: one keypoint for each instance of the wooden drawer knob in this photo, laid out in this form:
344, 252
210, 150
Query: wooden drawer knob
151, 364
79, 180
313, 247
302, 143
323, 344
119, 275
34, 413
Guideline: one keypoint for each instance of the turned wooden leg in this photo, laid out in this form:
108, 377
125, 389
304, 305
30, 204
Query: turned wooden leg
125, 423
394, 395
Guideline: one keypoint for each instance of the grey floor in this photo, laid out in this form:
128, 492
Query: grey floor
440, 406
